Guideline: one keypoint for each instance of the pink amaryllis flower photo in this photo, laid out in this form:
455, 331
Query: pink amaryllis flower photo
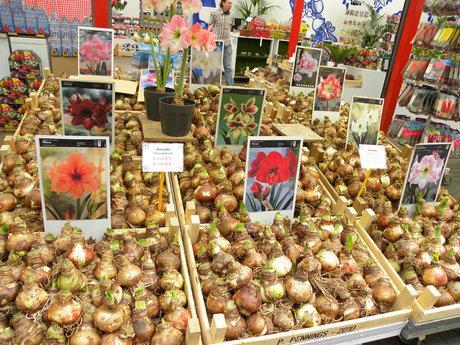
329, 88
427, 171
307, 64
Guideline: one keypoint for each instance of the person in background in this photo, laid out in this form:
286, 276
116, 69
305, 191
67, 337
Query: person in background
221, 23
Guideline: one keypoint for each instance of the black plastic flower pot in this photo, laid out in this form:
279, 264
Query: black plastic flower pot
152, 101
176, 119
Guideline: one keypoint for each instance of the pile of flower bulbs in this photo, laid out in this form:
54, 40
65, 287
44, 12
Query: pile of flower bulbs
128, 133
343, 171
127, 102
126, 288
134, 194
268, 279
423, 249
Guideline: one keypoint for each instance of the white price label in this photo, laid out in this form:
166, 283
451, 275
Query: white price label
372, 156
254, 70
162, 157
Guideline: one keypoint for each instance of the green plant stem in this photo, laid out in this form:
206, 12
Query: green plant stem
180, 85
159, 77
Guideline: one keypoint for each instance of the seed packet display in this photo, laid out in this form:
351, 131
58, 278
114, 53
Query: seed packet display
206, 68
240, 116
74, 183
95, 51
364, 121
272, 169
328, 95
87, 108
305, 72
425, 173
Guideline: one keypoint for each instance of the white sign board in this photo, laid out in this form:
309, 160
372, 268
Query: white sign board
372, 156
162, 157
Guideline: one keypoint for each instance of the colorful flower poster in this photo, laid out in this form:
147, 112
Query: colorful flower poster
74, 183
95, 51
328, 93
87, 108
206, 68
147, 77
240, 115
364, 121
425, 173
305, 71
272, 169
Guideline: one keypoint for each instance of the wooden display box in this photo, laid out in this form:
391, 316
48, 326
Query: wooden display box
423, 309
213, 331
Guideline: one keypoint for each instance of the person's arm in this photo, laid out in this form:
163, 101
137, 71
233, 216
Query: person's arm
212, 21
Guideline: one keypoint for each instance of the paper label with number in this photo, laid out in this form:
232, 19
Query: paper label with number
162, 157
372, 156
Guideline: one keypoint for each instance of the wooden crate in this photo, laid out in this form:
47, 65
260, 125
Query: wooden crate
213, 332
423, 306
340, 201
193, 333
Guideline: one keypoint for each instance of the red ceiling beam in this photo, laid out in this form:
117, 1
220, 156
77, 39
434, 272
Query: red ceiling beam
409, 26
295, 27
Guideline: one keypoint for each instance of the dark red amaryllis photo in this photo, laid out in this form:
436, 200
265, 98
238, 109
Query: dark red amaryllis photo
87, 108
271, 179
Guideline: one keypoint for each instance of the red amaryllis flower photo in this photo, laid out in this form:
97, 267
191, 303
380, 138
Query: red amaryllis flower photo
329, 88
274, 168
75, 175
292, 163
255, 164
88, 113
259, 191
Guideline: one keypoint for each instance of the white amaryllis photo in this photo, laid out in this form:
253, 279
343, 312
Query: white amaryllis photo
425, 173
206, 68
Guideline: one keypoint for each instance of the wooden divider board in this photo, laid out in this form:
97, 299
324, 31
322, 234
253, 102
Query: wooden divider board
214, 332
423, 306
294, 130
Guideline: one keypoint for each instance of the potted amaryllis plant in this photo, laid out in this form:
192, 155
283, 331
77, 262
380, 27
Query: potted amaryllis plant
177, 36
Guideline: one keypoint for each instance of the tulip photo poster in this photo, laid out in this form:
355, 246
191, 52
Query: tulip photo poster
206, 68
240, 115
364, 121
87, 108
305, 72
272, 169
328, 93
95, 51
74, 183
425, 173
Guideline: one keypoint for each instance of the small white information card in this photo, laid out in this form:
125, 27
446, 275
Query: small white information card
162, 157
372, 156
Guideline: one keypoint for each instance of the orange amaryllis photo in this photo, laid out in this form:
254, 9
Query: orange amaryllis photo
73, 185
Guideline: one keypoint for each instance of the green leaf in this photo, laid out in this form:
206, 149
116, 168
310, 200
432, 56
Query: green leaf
435, 257
4, 229
114, 245
83, 205
350, 242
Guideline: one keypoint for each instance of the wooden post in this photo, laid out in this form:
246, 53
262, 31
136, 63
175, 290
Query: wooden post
194, 228
170, 212
192, 335
174, 226
218, 328
268, 109
405, 298
46, 72
359, 205
281, 110
287, 115
190, 210
428, 297
350, 215
34, 99
367, 218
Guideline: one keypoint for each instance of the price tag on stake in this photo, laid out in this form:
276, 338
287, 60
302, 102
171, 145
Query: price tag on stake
162, 157
372, 157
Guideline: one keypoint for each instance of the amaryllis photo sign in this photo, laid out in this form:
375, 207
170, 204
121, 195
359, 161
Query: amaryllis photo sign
305, 71
364, 121
425, 173
95, 51
74, 175
240, 115
87, 108
272, 169
328, 93
206, 68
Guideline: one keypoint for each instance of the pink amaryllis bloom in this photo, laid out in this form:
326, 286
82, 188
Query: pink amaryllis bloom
297, 77
96, 50
307, 64
189, 7
426, 171
175, 35
161, 5
202, 39
329, 88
